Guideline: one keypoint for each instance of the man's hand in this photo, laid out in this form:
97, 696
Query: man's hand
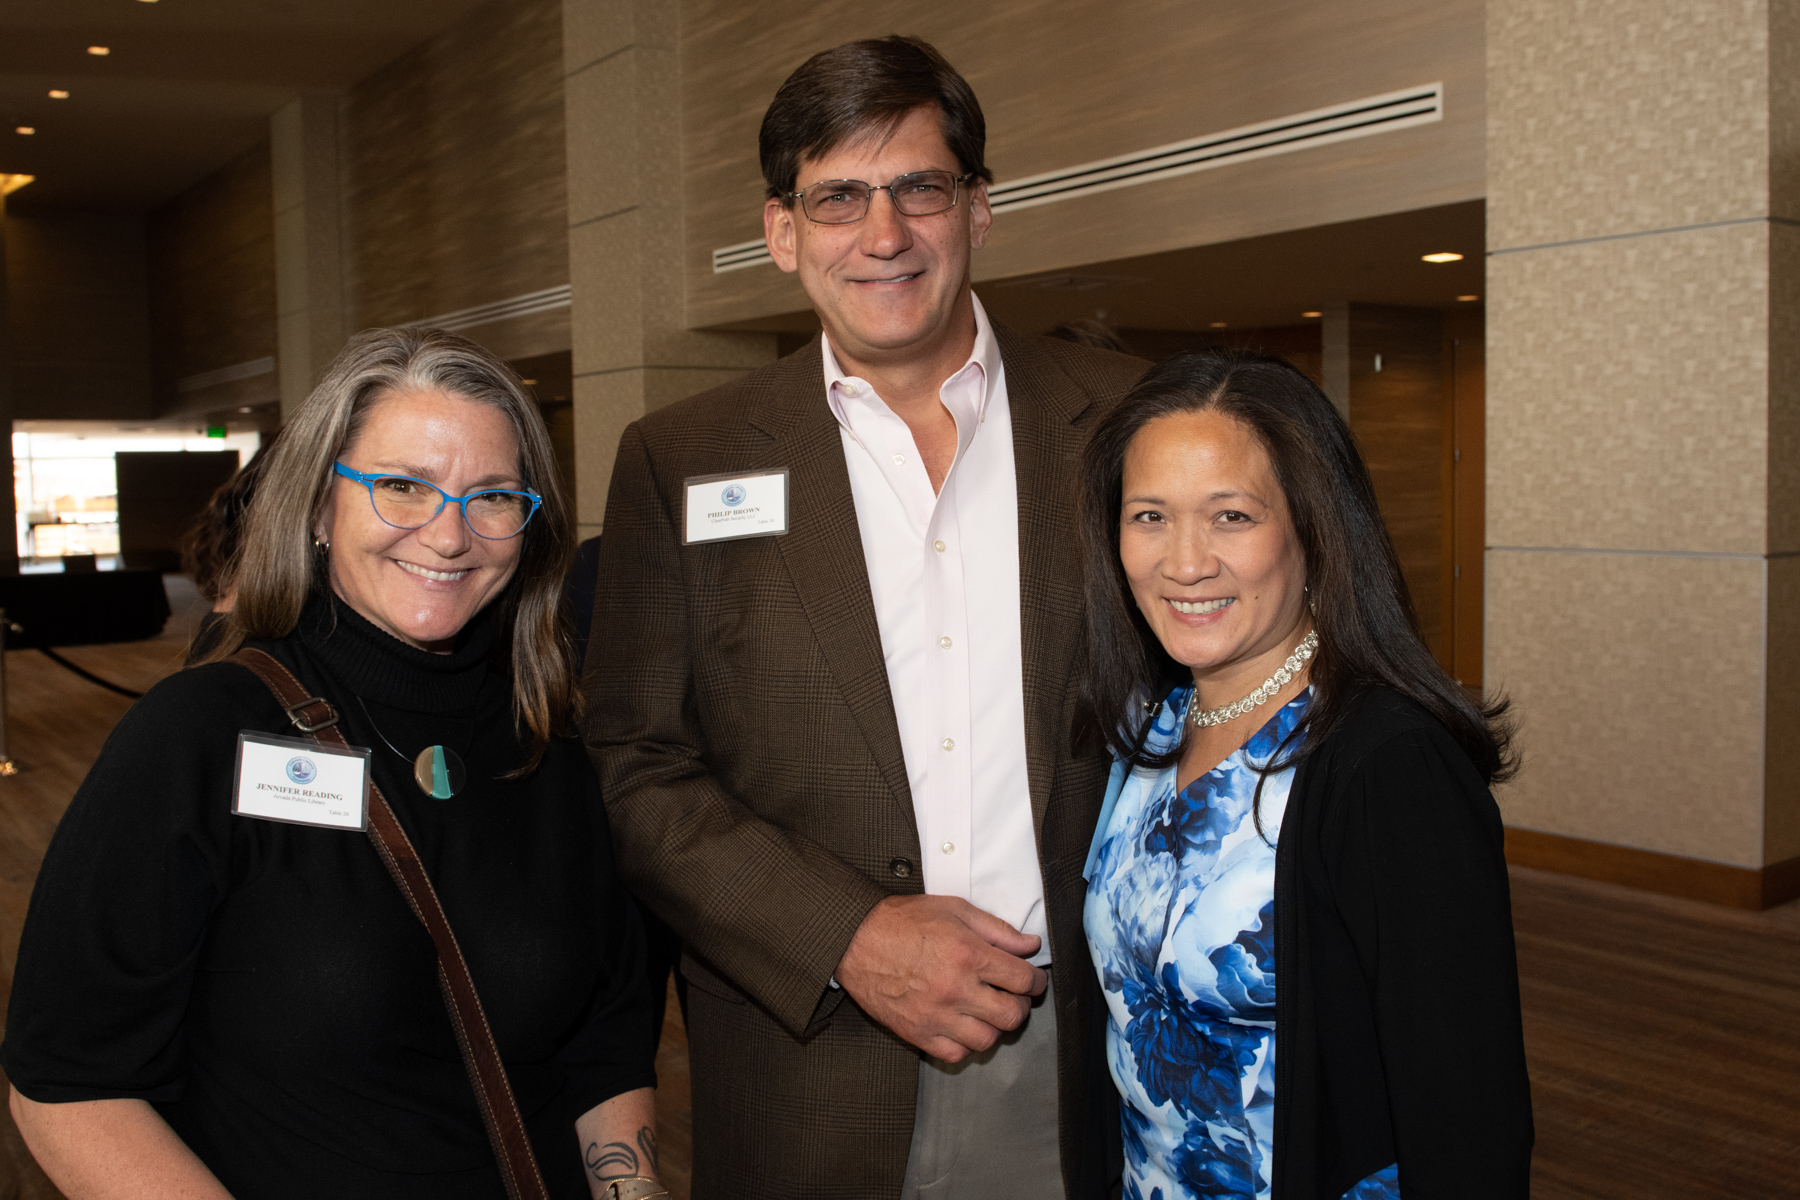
941, 973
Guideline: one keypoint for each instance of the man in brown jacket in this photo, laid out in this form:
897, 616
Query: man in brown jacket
829, 689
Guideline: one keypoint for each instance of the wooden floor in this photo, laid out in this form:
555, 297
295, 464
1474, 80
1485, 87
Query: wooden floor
1663, 1035
1664, 1043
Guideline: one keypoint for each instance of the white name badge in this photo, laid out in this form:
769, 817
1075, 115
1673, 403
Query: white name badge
301, 782
722, 507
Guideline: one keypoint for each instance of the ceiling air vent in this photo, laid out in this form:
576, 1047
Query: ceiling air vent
499, 310
1320, 127
744, 254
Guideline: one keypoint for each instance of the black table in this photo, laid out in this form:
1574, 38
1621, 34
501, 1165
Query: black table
85, 608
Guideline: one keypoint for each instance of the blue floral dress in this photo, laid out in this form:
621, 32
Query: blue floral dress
1180, 918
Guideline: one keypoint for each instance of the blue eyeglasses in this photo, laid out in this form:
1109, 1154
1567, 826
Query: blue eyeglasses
408, 503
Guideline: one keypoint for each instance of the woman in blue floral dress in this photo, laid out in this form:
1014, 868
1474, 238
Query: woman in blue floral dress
1298, 844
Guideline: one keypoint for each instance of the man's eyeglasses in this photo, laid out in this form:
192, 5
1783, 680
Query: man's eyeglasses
846, 201
408, 503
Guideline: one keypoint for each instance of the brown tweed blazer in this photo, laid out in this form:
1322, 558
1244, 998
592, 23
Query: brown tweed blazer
739, 714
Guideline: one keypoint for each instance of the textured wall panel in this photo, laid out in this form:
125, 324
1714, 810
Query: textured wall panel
1628, 393
1637, 682
452, 167
78, 316
1074, 81
1617, 117
212, 275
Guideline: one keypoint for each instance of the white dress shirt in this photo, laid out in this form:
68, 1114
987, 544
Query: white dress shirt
944, 574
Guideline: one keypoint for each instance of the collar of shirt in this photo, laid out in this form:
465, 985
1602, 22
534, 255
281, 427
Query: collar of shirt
965, 393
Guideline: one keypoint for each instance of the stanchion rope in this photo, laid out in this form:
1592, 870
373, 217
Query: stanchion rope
18, 630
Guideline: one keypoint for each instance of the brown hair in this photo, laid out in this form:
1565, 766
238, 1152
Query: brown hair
1368, 634
209, 547
278, 569
862, 88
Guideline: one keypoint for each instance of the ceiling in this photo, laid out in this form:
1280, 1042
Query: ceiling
188, 85
1263, 281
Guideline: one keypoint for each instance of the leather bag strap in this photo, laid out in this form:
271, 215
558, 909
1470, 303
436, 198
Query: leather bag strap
315, 717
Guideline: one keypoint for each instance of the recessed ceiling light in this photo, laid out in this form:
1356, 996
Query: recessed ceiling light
58, 94
1312, 314
1466, 299
1443, 257
1217, 325
26, 130
100, 51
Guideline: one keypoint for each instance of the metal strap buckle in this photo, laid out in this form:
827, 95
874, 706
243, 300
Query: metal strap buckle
293, 712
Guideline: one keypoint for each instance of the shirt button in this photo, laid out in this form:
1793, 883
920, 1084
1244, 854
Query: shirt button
901, 868
944, 642
850, 389
938, 546
949, 847
949, 744
899, 459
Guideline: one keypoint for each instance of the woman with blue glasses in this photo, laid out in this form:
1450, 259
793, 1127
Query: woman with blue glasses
221, 991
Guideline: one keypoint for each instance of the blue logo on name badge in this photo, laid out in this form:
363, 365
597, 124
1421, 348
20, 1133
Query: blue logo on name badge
302, 770
733, 495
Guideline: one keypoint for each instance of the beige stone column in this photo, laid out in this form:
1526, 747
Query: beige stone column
309, 289
1643, 480
632, 349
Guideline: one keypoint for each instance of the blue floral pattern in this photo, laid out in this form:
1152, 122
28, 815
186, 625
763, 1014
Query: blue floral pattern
1180, 919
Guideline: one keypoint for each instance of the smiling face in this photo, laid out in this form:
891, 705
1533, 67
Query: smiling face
1210, 551
887, 288
422, 585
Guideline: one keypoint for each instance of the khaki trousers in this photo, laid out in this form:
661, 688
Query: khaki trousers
986, 1128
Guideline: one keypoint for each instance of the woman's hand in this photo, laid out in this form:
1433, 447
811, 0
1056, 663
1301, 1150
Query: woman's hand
618, 1140
107, 1149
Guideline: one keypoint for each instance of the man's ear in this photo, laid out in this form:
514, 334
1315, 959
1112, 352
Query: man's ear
981, 217
778, 230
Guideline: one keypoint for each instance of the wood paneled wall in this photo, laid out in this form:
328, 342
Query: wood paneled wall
78, 316
452, 165
1399, 414
1066, 82
212, 283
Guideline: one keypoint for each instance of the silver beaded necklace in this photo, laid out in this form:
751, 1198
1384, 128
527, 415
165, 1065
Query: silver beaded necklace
1262, 695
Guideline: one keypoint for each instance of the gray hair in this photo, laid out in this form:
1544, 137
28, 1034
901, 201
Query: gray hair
279, 568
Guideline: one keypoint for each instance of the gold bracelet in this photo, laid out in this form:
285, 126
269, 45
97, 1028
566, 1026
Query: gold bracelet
633, 1187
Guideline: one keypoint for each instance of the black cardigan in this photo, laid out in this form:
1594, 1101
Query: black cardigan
1397, 993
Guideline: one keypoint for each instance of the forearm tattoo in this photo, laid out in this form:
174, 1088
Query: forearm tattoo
620, 1160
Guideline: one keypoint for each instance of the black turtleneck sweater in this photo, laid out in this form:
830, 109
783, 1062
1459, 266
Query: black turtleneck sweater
265, 986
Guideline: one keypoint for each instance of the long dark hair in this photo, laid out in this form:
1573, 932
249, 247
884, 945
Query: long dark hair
1368, 634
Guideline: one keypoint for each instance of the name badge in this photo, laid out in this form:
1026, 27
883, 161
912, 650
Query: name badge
301, 782
724, 507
